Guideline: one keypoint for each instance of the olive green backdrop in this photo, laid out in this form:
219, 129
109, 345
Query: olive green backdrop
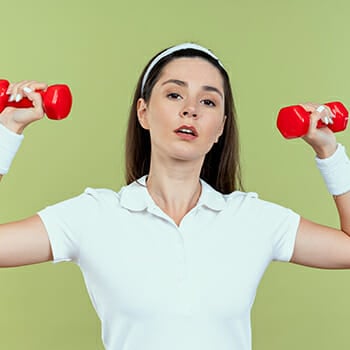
277, 52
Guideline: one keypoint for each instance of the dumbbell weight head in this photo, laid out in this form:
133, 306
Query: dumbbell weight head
293, 121
3, 96
57, 101
341, 116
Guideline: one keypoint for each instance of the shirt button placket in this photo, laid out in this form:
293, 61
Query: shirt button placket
181, 258
182, 274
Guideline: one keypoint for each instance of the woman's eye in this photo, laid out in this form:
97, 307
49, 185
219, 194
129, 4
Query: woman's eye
208, 103
174, 95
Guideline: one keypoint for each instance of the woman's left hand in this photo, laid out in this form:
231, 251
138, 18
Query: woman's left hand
322, 140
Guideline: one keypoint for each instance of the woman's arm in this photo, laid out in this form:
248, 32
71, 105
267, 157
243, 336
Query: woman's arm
317, 245
23, 242
321, 246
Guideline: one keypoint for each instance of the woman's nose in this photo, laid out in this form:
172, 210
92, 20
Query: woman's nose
189, 112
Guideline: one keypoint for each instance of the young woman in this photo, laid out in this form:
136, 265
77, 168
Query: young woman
173, 260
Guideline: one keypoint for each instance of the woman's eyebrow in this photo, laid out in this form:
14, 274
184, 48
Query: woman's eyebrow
214, 89
183, 83
175, 81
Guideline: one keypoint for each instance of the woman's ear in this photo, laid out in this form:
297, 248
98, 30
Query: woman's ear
221, 129
142, 113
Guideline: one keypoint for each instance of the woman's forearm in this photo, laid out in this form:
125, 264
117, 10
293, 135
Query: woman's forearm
343, 205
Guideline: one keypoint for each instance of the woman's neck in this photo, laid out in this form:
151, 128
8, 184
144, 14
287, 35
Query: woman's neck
175, 188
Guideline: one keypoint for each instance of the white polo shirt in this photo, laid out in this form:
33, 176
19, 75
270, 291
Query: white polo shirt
156, 285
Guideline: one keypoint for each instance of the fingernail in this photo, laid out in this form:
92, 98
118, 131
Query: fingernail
12, 98
27, 90
325, 120
320, 108
18, 97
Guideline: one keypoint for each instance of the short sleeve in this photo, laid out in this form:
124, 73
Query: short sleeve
68, 222
278, 226
284, 235
270, 228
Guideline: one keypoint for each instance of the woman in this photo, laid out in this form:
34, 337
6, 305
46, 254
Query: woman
173, 260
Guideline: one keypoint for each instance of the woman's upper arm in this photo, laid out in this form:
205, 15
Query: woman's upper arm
321, 246
24, 242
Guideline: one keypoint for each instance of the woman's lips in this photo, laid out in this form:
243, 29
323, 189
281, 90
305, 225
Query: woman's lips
187, 130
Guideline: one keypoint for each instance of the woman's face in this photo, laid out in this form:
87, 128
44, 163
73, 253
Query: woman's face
185, 113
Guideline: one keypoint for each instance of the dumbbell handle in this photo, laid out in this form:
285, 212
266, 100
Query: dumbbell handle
294, 121
57, 100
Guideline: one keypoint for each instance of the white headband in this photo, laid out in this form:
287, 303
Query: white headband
172, 50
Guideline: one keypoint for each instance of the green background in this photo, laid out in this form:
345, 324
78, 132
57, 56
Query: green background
277, 52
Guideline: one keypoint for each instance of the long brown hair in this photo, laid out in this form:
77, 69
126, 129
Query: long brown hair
221, 167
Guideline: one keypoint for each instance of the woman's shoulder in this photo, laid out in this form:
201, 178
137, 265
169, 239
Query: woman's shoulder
109, 196
218, 200
88, 201
251, 198
100, 193
241, 200
241, 195
254, 206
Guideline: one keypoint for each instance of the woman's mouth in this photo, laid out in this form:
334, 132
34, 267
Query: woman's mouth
187, 132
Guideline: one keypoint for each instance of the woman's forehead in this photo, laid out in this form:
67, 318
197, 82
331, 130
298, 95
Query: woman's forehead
190, 68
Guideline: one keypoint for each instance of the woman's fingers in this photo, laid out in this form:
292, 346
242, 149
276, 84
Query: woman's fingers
318, 112
36, 101
19, 118
15, 90
321, 139
325, 114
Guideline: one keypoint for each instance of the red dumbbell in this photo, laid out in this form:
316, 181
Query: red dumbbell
57, 100
294, 121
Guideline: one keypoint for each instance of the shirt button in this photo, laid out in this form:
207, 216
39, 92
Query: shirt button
182, 265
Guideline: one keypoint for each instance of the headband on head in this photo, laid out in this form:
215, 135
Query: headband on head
171, 50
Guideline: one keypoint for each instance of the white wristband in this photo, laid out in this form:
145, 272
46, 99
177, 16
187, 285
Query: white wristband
9, 145
335, 171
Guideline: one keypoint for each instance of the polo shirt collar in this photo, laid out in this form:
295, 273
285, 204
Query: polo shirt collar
211, 198
135, 196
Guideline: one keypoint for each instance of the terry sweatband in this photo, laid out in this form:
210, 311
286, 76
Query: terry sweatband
9, 145
335, 171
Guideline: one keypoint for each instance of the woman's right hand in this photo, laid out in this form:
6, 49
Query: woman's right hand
16, 119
